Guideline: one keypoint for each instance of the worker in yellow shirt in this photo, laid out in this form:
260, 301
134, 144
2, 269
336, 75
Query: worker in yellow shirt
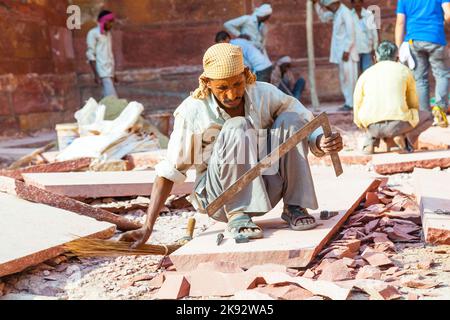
386, 103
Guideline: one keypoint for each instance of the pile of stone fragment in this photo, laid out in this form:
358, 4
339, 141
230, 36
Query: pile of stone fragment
357, 261
363, 247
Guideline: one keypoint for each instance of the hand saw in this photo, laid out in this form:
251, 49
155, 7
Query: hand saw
272, 158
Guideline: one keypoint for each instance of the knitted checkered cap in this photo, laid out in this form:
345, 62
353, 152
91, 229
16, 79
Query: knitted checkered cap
223, 61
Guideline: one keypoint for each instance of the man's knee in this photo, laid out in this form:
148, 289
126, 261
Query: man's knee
239, 123
289, 119
425, 117
234, 131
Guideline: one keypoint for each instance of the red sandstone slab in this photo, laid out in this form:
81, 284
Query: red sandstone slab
151, 158
317, 287
376, 259
347, 158
37, 195
336, 271
281, 245
432, 192
103, 184
396, 163
212, 283
63, 166
175, 287
435, 138
146, 159
33, 233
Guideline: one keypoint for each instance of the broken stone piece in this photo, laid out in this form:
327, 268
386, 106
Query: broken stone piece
371, 199
336, 271
175, 287
376, 259
369, 272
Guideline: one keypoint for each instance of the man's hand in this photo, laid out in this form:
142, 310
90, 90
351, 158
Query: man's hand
97, 79
116, 80
345, 56
160, 192
331, 144
139, 237
245, 36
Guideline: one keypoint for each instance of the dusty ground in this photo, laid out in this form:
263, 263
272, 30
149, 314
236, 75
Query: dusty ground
106, 278
115, 278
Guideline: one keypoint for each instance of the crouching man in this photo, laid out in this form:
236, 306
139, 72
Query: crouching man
211, 133
386, 103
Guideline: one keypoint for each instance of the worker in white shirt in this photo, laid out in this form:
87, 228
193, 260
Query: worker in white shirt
258, 63
100, 53
366, 34
343, 50
219, 130
252, 27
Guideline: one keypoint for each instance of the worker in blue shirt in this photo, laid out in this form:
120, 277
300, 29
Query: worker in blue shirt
422, 24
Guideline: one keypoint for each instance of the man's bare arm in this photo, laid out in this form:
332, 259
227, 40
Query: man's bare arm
400, 29
160, 192
446, 7
92, 63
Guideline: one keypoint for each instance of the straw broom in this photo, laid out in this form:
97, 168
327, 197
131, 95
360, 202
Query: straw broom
85, 248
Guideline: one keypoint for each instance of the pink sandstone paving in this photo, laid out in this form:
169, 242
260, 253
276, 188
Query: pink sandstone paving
64, 166
280, 244
33, 194
103, 184
42, 232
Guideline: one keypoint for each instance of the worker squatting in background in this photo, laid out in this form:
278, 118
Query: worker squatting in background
283, 78
343, 51
100, 53
423, 23
386, 103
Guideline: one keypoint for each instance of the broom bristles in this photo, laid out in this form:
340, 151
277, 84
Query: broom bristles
85, 248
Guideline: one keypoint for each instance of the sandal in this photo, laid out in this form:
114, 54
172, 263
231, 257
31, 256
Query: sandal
298, 218
241, 222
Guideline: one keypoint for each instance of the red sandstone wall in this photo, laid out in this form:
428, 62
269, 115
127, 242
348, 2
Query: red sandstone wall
155, 34
38, 83
158, 44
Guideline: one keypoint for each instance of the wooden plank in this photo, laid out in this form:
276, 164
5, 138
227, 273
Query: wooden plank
392, 163
281, 245
33, 233
103, 184
432, 192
